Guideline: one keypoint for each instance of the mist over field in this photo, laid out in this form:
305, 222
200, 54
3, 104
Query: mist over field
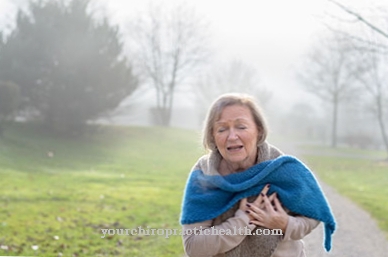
312, 74
102, 104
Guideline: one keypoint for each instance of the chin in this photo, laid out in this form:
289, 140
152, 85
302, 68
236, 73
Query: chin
237, 161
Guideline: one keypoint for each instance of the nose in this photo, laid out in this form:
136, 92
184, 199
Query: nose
232, 135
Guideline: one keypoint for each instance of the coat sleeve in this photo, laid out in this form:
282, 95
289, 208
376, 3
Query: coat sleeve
206, 243
298, 227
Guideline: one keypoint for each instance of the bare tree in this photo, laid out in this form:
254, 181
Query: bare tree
329, 72
373, 44
366, 30
169, 45
235, 76
375, 82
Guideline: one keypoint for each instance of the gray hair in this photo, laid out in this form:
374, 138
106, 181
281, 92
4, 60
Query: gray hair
218, 106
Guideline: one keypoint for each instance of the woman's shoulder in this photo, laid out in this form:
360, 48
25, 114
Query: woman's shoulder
267, 151
208, 163
199, 162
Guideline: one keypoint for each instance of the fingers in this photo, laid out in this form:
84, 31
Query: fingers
257, 223
267, 207
267, 204
272, 196
256, 215
254, 209
278, 205
270, 214
243, 204
263, 192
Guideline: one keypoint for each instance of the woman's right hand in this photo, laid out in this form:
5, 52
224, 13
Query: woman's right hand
266, 211
259, 201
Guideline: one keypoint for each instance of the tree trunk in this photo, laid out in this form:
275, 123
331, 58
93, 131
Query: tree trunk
165, 116
334, 124
381, 123
164, 110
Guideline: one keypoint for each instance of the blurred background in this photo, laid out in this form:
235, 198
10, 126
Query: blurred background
317, 67
101, 104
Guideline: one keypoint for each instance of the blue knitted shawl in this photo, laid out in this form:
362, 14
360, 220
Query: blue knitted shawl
207, 197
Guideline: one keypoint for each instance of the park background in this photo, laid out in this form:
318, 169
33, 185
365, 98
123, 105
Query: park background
102, 103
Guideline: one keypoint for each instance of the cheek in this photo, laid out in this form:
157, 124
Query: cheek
219, 139
252, 139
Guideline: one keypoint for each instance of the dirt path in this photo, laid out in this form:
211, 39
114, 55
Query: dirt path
357, 234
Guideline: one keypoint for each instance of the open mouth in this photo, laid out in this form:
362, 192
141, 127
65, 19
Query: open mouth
234, 148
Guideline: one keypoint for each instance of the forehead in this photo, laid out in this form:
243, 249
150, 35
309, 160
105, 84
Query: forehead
235, 112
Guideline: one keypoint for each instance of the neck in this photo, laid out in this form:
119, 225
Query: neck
227, 168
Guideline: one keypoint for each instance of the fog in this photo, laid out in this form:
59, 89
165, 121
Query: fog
271, 38
274, 41
92, 91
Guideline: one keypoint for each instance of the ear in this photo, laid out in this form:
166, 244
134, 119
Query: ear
260, 136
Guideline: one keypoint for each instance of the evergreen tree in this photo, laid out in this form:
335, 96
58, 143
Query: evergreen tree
69, 66
9, 100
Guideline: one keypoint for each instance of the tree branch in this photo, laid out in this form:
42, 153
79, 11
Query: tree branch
373, 46
360, 18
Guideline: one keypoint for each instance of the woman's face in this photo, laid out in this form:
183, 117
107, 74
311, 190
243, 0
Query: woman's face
236, 135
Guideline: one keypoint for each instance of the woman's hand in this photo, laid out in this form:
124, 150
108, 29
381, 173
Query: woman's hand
244, 202
266, 211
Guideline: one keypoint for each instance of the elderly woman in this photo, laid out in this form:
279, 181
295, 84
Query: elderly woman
229, 197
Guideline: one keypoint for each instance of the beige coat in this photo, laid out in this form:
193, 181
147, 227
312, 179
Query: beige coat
240, 245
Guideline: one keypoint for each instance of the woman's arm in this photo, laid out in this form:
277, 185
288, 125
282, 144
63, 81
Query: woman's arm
298, 227
206, 243
274, 216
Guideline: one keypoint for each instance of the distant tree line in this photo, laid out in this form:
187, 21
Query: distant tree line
71, 67
64, 66
350, 65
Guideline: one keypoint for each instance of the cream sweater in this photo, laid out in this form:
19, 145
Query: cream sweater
207, 245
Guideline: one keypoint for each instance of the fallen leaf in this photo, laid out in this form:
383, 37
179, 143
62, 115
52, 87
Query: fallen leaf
4, 247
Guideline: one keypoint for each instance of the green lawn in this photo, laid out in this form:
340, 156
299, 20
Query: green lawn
344, 151
123, 177
363, 181
118, 178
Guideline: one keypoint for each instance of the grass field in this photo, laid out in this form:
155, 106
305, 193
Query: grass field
363, 181
123, 178
119, 178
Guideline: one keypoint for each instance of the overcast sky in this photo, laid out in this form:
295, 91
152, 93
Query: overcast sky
271, 35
